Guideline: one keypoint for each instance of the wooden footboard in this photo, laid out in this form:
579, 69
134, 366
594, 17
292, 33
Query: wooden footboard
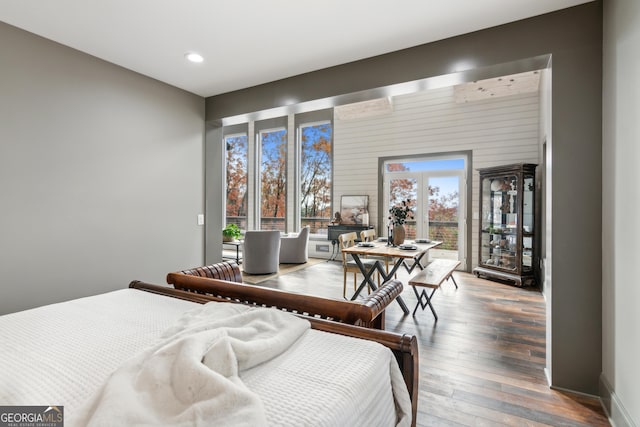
368, 312
404, 347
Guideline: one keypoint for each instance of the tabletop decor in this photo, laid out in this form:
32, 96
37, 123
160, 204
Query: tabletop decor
398, 215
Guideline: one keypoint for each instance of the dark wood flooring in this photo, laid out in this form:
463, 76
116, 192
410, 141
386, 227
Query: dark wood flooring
482, 363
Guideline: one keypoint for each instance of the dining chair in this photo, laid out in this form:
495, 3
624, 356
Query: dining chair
347, 240
369, 235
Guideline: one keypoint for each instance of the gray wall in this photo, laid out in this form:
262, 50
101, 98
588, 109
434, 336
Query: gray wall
101, 174
620, 212
574, 39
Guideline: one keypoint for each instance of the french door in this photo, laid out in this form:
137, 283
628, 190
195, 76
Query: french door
439, 210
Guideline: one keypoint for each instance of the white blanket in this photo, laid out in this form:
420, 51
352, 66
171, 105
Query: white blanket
191, 376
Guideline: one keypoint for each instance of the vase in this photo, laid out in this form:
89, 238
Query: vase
398, 235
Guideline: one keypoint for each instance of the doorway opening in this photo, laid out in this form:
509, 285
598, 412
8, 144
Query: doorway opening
435, 188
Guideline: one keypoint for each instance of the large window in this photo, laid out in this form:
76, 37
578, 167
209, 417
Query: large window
274, 183
273, 178
236, 180
315, 175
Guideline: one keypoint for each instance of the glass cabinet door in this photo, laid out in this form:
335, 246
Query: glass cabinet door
499, 222
527, 222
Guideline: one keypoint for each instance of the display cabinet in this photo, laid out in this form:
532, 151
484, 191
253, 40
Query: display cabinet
507, 223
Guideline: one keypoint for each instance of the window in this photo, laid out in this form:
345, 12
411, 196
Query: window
273, 179
316, 148
274, 183
236, 180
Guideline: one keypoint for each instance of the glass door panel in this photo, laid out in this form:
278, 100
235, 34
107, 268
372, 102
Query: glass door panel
443, 220
403, 189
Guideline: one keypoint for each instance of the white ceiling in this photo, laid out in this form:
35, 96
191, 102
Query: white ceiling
245, 42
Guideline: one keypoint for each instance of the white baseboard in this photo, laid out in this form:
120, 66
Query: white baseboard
547, 376
568, 390
618, 415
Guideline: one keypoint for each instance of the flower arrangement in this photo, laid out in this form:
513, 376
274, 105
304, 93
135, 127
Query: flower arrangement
398, 215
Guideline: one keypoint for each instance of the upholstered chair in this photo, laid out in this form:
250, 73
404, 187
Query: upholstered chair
293, 250
261, 253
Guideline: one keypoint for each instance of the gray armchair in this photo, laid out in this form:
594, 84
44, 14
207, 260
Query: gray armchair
261, 252
293, 250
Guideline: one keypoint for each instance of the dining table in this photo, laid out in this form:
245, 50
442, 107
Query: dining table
409, 256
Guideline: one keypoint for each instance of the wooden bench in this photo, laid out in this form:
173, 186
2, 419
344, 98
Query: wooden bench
432, 276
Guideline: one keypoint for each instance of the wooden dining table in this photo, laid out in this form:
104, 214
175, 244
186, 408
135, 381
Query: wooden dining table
409, 255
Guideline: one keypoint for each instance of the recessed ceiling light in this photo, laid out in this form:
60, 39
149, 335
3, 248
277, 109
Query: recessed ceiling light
193, 57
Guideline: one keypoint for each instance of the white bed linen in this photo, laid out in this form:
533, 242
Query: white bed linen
191, 376
354, 379
62, 353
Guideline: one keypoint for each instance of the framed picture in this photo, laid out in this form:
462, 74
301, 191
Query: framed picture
354, 210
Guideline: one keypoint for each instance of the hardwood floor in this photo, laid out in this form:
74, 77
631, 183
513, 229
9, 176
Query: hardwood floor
482, 363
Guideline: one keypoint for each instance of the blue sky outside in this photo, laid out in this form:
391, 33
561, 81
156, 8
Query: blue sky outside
271, 141
315, 169
236, 154
434, 165
312, 134
447, 185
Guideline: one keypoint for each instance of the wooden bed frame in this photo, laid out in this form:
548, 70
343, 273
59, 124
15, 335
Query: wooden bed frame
334, 316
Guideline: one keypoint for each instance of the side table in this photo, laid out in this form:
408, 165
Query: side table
238, 256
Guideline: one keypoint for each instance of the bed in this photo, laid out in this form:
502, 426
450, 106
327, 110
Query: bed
69, 353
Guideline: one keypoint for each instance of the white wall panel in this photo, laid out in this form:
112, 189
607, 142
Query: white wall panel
497, 131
